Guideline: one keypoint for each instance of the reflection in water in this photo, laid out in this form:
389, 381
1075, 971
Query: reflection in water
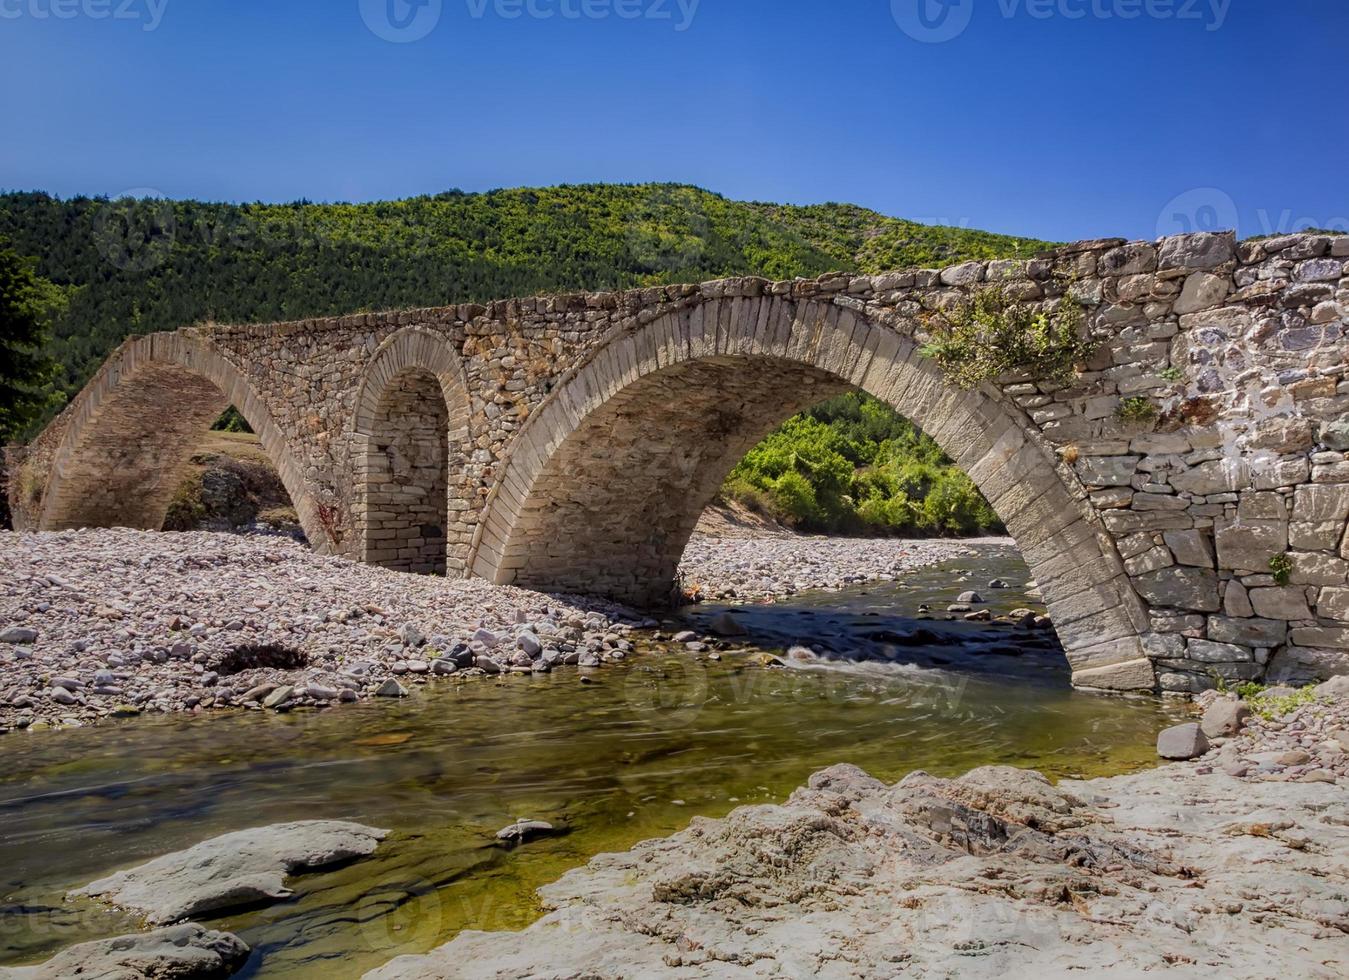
633, 755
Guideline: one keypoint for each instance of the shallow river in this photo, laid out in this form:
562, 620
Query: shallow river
635, 754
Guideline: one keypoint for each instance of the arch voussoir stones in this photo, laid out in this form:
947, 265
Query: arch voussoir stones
576, 438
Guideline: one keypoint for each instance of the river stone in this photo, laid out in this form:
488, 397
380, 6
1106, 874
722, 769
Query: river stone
18, 634
969, 597
234, 870
391, 689
523, 830
726, 625
1182, 742
278, 697
181, 952
1336, 687
1224, 718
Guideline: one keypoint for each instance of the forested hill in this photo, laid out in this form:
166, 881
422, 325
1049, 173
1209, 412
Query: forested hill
130, 267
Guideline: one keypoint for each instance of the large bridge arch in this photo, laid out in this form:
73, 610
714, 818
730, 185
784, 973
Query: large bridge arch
606, 480
412, 434
130, 433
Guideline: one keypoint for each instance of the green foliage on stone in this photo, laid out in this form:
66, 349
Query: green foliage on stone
1137, 411
231, 421
989, 335
1272, 707
1172, 374
1281, 567
853, 465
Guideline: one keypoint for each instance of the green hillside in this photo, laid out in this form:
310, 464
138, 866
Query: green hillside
131, 267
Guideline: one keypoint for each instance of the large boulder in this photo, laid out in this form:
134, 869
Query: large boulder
1224, 718
239, 869
182, 952
1182, 742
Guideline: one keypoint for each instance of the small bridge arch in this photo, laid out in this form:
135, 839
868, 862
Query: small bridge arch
130, 433
412, 435
606, 481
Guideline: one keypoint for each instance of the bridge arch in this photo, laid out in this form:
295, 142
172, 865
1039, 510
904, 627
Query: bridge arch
606, 480
412, 437
131, 431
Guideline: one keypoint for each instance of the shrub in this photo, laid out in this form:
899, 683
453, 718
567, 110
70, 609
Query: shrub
990, 335
1281, 567
1137, 411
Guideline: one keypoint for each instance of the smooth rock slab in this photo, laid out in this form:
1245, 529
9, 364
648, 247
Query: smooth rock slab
182, 952
243, 868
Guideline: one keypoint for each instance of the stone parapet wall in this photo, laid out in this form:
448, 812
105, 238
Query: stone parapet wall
586, 431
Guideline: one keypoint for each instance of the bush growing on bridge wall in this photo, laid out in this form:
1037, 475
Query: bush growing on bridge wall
990, 335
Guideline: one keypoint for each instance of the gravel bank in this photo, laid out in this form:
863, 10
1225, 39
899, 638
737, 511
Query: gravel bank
101, 623
1185, 871
764, 566
115, 622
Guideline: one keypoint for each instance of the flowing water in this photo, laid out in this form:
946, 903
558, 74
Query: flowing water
636, 754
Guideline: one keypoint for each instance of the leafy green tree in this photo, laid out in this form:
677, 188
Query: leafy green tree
27, 304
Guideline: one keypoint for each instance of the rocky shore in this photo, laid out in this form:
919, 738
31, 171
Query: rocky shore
761, 566
1235, 866
113, 623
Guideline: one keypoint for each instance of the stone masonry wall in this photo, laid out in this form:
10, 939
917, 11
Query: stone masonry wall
1239, 350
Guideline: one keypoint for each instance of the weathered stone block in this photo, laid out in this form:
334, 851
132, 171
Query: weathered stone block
1249, 545
1314, 569
1247, 632
1202, 291
1327, 637
1320, 504
1314, 537
1133, 675
1190, 547
1209, 652
1180, 588
1237, 600
1333, 604
1287, 602
1214, 476
1106, 471
1202, 250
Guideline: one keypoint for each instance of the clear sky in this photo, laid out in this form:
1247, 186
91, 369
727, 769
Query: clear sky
1060, 119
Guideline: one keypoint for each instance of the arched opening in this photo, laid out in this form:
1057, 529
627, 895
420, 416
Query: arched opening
403, 476
609, 477
128, 442
230, 484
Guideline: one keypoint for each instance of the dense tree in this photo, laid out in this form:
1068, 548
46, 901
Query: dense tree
27, 304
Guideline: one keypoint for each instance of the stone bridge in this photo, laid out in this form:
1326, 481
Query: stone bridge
569, 443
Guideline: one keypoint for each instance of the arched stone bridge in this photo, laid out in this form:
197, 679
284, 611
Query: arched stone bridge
570, 442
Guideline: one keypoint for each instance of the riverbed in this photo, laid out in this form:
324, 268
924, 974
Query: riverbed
635, 753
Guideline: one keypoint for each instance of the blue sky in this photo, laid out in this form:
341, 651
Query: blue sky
1060, 119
